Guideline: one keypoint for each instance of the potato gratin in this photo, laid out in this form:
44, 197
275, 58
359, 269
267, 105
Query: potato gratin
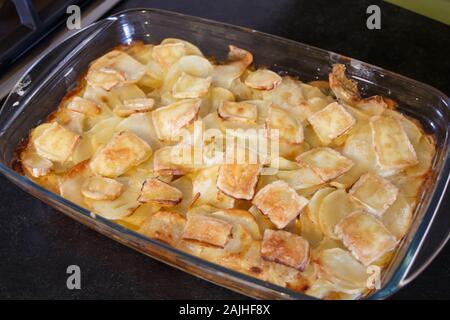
334, 200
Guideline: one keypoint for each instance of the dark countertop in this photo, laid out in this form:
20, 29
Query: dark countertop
38, 242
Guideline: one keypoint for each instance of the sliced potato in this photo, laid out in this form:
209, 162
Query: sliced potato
326, 162
122, 152
238, 111
218, 231
365, 236
169, 120
340, 267
374, 192
84, 106
119, 208
301, 178
72, 182
344, 89
160, 193
100, 188
373, 106
313, 207
238, 180
285, 248
280, 124
56, 143
188, 86
335, 206
169, 53
279, 202
114, 68
398, 217
263, 79
134, 106
331, 122
165, 226
392, 147
204, 183
36, 165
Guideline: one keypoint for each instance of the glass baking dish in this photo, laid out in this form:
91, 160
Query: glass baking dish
41, 89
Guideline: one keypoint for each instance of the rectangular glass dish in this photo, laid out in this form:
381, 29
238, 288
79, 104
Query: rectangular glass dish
41, 89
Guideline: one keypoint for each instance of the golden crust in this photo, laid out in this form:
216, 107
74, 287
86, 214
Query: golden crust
82, 105
326, 162
263, 79
204, 183
168, 53
365, 236
209, 230
289, 129
374, 192
159, 192
169, 120
122, 152
279, 202
169, 160
36, 165
238, 180
188, 87
56, 143
331, 122
165, 226
136, 105
393, 149
238, 111
285, 248
114, 68
344, 89
100, 188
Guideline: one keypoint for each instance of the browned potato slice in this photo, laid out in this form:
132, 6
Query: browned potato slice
36, 165
164, 226
288, 128
393, 149
114, 68
169, 53
56, 143
279, 202
263, 79
331, 122
205, 183
122, 152
84, 106
169, 120
398, 217
344, 89
373, 106
208, 230
238, 111
374, 192
285, 248
138, 105
238, 180
341, 268
100, 188
326, 162
159, 192
365, 236
188, 86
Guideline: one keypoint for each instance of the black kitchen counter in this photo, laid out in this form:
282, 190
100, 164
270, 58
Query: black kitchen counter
37, 243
